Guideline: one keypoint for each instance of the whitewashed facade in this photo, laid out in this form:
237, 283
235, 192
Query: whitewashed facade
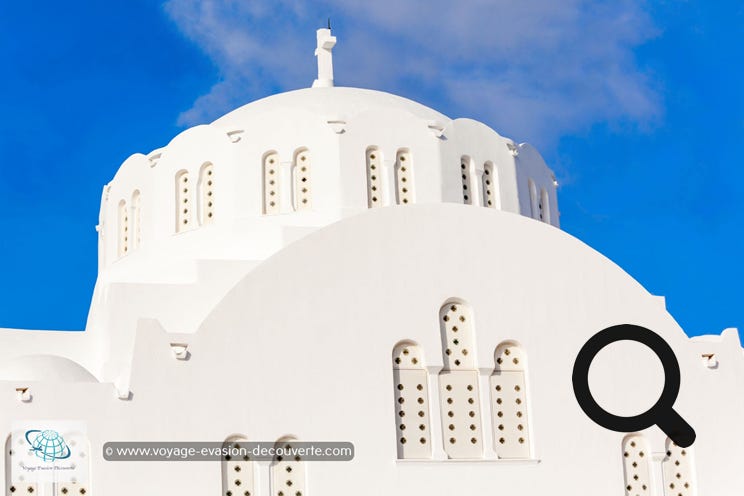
295, 269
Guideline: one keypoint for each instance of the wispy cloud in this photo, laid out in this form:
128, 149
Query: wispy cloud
533, 70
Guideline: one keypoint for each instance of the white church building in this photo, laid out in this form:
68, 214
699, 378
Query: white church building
344, 265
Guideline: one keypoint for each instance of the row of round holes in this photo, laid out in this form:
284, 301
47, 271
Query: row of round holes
373, 183
501, 414
471, 413
403, 179
304, 179
272, 182
209, 193
487, 188
185, 199
465, 181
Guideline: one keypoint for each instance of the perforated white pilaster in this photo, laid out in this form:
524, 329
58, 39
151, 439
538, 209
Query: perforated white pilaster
288, 473
491, 198
466, 173
636, 466
238, 472
123, 229
678, 469
206, 194
404, 177
543, 207
533, 199
183, 202
411, 393
271, 184
459, 397
136, 220
301, 187
511, 428
375, 193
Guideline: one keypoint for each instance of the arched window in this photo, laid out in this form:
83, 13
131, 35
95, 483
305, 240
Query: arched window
183, 202
411, 402
17, 455
80, 457
287, 471
238, 478
206, 194
458, 383
466, 173
301, 191
491, 197
123, 229
375, 193
136, 220
404, 177
678, 469
544, 206
636, 466
533, 199
511, 428
271, 183
13, 485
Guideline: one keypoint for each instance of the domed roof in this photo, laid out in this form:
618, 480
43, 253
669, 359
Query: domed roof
47, 368
331, 103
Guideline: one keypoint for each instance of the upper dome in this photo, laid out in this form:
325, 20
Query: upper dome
221, 197
334, 104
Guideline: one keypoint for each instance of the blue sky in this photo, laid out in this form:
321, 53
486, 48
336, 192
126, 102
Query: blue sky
637, 106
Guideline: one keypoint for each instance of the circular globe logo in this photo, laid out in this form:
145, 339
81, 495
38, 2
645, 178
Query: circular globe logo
47, 444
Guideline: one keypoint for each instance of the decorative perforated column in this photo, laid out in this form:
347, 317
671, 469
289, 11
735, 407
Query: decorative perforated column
301, 187
288, 472
123, 229
183, 202
375, 193
490, 186
511, 432
238, 477
636, 466
458, 384
466, 172
271, 184
678, 469
404, 177
413, 430
206, 194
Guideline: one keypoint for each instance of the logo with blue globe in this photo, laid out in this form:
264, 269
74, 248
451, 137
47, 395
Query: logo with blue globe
48, 444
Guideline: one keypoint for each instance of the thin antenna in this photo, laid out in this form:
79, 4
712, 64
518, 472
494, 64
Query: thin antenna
329, 23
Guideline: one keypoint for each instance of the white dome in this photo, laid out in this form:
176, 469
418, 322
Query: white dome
335, 102
47, 368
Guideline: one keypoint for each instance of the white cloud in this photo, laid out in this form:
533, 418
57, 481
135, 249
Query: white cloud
534, 70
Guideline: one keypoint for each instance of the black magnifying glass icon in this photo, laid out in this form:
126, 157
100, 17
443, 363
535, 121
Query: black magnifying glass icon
662, 413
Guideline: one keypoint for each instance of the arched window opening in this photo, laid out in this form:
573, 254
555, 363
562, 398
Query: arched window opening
183, 202
411, 392
678, 469
123, 229
636, 466
288, 477
459, 395
238, 477
301, 191
511, 428
544, 206
404, 177
491, 198
206, 194
374, 177
533, 199
271, 184
466, 173
136, 220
